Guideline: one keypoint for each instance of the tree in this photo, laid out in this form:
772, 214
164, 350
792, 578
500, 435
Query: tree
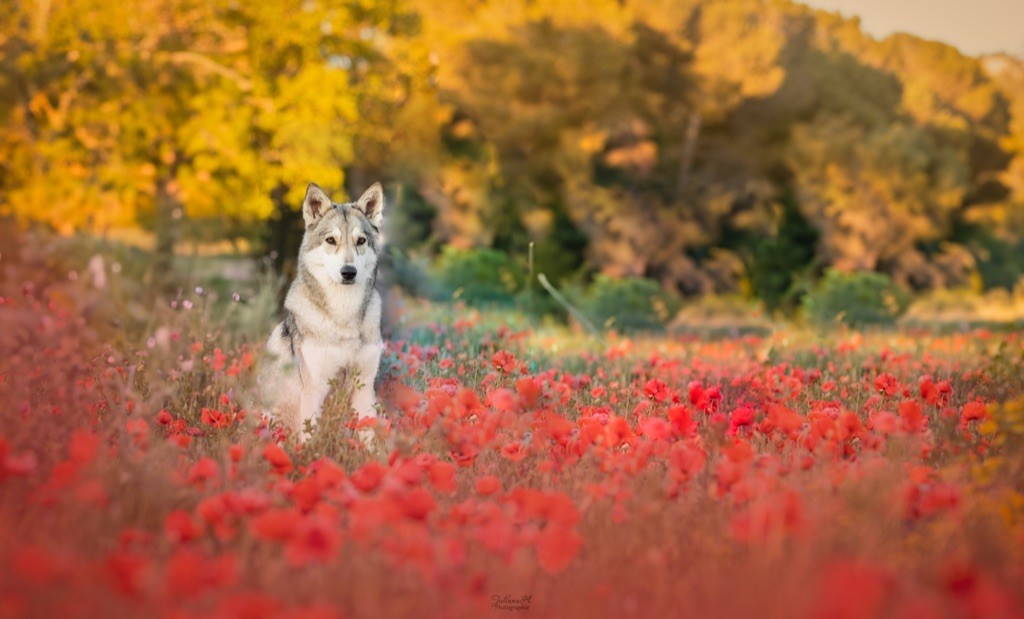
874, 194
205, 110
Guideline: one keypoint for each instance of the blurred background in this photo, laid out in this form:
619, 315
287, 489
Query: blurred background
667, 162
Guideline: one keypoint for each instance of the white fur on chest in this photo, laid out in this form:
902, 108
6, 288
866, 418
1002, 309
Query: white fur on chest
324, 361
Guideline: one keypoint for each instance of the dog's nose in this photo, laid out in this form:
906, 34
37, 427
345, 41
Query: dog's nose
348, 273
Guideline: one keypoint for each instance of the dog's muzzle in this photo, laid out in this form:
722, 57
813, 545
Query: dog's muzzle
348, 274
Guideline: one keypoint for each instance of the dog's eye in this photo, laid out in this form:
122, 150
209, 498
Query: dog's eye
361, 241
330, 240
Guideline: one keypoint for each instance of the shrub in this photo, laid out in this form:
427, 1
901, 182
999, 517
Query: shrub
721, 316
855, 299
628, 304
781, 261
962, 308
478, 275
410, 273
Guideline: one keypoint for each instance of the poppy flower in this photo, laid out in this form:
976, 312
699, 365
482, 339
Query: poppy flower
277, 458
487, 485
657, 390
315, 540
912, 417
504, 361
529, 390
306, 493
442, 476
368, 477
973, 411
180, 526
203, 471
275, 524
557, 546
417, 503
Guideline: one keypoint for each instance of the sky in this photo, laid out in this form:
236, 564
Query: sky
975, 26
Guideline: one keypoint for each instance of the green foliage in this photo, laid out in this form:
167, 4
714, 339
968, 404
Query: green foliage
1000, 262
477, 275
409, 273
628, 303
408, 220
777, 259
536, 302
855, 299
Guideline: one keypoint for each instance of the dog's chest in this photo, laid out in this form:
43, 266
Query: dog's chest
324, 361
335, 319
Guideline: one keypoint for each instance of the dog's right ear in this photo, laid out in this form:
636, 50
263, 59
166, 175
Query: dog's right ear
315, 205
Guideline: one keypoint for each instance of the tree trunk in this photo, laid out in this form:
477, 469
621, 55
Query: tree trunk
356, 181
168, 233
689, 151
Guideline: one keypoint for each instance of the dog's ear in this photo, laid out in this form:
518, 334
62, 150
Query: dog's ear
371, 203
315, 205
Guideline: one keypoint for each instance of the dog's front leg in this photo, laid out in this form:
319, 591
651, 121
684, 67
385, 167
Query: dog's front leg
311, 399
364, 396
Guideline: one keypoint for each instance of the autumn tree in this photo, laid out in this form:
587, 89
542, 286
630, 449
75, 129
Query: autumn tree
216, 111
685, 141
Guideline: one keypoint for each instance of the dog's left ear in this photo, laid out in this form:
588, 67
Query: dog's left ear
371, 203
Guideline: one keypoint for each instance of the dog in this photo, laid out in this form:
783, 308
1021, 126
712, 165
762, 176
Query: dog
332, 312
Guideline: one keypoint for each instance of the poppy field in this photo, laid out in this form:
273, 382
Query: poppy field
520, 469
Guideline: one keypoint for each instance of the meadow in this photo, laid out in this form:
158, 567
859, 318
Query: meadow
522, 468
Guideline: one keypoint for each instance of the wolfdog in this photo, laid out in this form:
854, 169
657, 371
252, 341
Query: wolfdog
332, 312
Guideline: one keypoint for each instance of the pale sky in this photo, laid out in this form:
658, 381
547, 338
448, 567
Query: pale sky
974, 26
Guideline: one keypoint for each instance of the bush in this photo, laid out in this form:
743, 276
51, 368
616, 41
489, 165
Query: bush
628, 304
963, 308
410, 273
713, 316
781, 262
478, 275
855, 299
1000, 263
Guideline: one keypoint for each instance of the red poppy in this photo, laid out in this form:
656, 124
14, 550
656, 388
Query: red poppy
557, 546
973, 411
327, 473
190, 574
417, 503
888, 384
316, 540
913, 418
306, 493
442, 476
124, 570
277, 457
368, 477
488, 484
740, 418
529, 390
180, 526
504, 361
203, 471
657, 390
275, 524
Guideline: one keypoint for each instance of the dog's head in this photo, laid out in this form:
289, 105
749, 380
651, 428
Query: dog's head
343, 240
